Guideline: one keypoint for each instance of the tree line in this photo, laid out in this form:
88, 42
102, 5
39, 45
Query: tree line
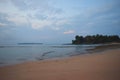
95, 39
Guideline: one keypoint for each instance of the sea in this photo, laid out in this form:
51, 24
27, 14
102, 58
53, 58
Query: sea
20, 53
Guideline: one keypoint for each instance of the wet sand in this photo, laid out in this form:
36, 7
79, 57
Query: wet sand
102, 66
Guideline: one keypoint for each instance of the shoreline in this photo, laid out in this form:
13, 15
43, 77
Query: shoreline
99, 66
96, 49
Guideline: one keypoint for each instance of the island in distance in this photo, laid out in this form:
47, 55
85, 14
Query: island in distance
30, 43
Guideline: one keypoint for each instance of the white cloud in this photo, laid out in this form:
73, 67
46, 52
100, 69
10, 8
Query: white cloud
31, 13
39, 24
56, 28
13, 14
89, 24
54, 24
61, 22
17, 19
2, 24
69, 32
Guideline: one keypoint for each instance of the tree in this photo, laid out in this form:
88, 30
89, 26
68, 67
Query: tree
95, 39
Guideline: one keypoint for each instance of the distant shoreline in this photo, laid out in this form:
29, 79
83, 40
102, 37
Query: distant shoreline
30, 43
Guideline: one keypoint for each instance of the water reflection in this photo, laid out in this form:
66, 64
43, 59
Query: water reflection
17, 54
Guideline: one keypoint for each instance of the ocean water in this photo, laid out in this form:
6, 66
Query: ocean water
14, 54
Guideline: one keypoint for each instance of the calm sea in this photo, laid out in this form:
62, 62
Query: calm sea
14, 54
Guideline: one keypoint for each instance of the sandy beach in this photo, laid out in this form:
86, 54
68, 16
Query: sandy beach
102, 66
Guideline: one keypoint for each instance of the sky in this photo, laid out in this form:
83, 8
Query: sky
57, 21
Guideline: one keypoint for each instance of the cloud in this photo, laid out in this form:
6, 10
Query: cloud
56, 16
56, 28
12, 14
17, 19
41, 14
39, 24
69, 32
2, 24
48, 23
20, 4
37, 14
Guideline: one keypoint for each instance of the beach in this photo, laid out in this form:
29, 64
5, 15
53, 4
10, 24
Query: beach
103, 65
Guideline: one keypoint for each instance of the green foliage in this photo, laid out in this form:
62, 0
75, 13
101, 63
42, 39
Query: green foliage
95, 39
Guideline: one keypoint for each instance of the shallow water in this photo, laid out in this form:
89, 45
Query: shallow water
14, 54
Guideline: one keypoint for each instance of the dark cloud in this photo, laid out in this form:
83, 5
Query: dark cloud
21, 4
4, 21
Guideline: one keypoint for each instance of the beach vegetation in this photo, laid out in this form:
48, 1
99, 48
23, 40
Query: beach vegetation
95, 39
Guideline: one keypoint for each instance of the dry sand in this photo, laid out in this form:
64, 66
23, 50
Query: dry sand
103, 66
